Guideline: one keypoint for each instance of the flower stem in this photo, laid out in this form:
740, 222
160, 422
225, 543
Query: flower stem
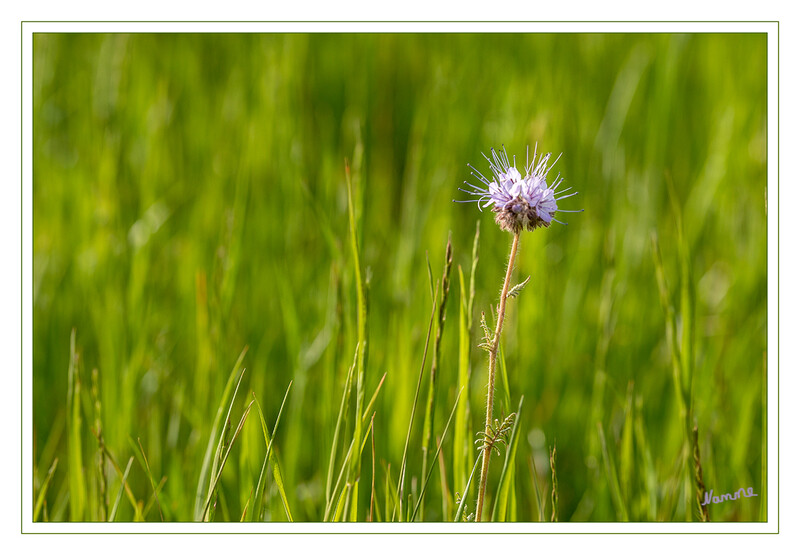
501, 313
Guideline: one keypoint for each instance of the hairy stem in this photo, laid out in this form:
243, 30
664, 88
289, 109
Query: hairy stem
501, 313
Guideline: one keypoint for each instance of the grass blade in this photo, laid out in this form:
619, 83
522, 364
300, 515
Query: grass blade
501, 364
77, 483
506, 484
391, 494
446, 504
463, 502
154, 498
150, 476
372, 400
137, 509
671, 324
460, 442
648, 471
43, 491
246, 506
348, 385
611, 473
213, 485
626, 463
342, 410
270, 457
462, 433
535, 477
279, 484
340, 506
554, 480
345, 466
361, 324
404, 462
372, 488
433, 465
430, 408
112, 515
215, 430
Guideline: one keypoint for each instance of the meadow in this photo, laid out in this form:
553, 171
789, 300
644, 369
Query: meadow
255, 299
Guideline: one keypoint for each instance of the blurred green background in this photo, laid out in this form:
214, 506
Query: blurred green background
190, 200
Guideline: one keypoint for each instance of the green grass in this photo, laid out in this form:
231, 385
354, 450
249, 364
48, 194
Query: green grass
279, 205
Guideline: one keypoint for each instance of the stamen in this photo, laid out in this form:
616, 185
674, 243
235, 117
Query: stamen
494, 168
474, 186
498, 160
478, 174
553, 164
481, 178
542, 164
567, 196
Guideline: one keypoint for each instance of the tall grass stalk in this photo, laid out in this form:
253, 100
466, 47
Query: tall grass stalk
223, 459
270, 456
43, 490
435, 455
540, 500
101, 457
203, 480
611, 474
446, 499
698, 477
682, 356
124, 485
354, 472
339, 421
372, 485
430, 407
77, 482
554, 482
150, 477
461, 433
401, 481
112, 515
463, 502
347, 458
501, 312
650, 479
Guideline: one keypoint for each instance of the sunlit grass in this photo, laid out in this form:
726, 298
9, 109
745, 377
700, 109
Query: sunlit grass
191, 201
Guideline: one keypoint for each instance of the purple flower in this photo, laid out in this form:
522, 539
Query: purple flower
519, 202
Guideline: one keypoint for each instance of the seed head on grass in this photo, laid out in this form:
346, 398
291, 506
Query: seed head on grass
554, 493
519, 203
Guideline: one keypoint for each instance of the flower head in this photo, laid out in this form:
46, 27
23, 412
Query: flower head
519, 202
